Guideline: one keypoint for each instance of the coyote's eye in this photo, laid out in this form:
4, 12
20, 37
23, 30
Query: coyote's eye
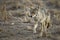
32, 13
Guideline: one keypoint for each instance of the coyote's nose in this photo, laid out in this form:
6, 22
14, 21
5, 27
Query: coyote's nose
30, 16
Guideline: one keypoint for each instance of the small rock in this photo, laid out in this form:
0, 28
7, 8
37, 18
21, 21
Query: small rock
12, 23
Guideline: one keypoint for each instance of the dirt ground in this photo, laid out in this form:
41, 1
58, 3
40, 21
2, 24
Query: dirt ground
18, 31
15, 29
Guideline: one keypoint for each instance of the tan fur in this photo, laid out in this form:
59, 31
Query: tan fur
44, 19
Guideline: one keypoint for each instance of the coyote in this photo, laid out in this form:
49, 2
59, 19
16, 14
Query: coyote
43, 16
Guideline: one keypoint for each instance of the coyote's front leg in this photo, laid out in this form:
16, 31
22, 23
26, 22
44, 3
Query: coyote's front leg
42, 29
35, 27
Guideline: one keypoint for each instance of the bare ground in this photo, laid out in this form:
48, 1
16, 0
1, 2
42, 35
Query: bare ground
18, 31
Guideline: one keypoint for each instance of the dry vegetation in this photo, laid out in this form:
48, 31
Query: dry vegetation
55, 3
15, 15
3, 12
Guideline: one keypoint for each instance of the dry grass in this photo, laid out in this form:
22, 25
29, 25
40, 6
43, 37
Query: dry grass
56, 3
19, 13
57, 14
3, 12
26, 3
